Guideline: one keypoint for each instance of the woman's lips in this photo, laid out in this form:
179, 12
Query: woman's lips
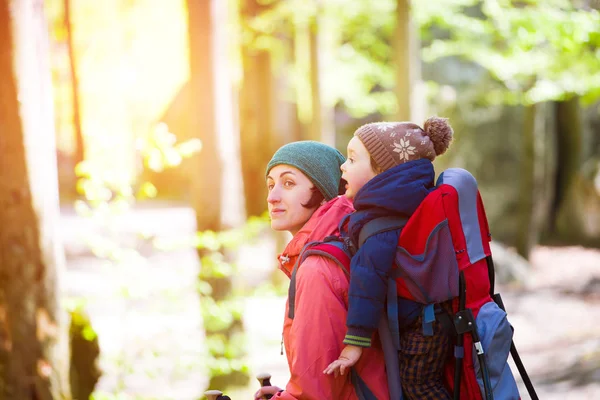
276, 212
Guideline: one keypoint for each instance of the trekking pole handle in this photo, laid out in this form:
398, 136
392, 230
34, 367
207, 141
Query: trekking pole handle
215, 395
265, 380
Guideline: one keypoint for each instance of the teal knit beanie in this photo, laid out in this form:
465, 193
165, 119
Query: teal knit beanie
319, 162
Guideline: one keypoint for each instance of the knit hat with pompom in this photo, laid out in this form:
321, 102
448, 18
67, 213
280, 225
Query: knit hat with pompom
394, 143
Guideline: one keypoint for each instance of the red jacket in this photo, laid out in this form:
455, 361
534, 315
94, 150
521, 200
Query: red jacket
314, 338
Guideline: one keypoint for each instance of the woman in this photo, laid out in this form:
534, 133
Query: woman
303, 181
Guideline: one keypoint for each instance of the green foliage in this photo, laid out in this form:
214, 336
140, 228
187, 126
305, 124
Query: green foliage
106, 195
160, 151
540, 50
219, 316
354, 49
223, 317
225, 352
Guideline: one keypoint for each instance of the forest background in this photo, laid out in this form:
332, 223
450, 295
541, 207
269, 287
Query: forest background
136, 257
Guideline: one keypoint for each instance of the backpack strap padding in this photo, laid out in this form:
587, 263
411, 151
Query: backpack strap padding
392, 361
292, 291
379, 225
360, 387
392, 307
466, 187
332, 250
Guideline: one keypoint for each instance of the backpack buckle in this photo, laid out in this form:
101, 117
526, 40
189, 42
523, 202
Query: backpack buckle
464, 321
350, 246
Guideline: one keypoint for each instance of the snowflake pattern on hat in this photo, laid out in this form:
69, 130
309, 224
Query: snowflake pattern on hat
404, 149
385, 126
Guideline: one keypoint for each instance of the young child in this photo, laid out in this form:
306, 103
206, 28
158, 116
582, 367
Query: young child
389, 171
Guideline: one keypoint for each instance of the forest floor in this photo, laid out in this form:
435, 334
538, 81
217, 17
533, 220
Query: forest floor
146, 311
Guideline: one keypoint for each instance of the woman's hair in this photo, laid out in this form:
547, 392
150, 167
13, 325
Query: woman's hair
316, 197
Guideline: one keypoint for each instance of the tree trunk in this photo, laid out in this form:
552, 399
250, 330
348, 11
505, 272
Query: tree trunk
256, 117
316, 122
576, 209
569, 141
206, 188
286, 123
535, 184
406, 50
303, 84
33, 338
85, 351
79, 142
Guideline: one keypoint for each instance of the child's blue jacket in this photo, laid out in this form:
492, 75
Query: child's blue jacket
397, 191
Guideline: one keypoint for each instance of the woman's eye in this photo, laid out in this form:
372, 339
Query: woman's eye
270, 186
288, 184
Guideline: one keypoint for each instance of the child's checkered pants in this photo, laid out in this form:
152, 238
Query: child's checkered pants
422, 360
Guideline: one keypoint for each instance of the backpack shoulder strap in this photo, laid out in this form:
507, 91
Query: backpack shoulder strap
379, 225
331, 249
335, 250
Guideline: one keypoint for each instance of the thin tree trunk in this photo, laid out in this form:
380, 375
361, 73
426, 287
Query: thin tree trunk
33, 337
324, 48
303, 85
575, 206
569, 147
316, 124
407, 63
526, 180
206, 188
256, 117
79, 142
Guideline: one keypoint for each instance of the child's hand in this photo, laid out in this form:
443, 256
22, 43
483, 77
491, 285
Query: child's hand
348, 357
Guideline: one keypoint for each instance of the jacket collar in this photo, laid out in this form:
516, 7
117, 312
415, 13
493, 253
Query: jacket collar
324, 222
397, 191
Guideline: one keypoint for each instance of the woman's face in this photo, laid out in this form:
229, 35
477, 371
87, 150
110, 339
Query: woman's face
288, 189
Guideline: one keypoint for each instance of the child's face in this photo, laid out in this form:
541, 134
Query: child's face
357, 169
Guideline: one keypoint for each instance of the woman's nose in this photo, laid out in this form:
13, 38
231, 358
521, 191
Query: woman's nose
273, 196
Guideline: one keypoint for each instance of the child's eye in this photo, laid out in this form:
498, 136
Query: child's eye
351, 160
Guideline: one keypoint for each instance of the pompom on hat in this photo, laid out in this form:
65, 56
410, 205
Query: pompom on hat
394, 143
